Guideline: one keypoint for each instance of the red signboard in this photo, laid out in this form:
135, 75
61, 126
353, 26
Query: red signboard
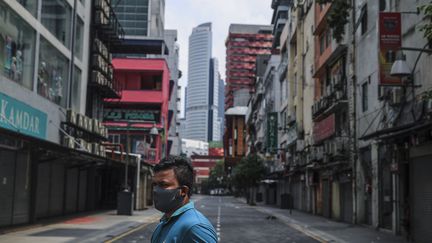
216, 151
390, 41
324, 128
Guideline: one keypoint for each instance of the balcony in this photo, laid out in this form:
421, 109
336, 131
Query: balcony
335, 97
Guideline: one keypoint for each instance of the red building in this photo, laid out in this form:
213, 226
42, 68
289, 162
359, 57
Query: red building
202, 165
142, 106
243, 44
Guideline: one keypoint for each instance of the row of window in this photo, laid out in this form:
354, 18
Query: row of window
17, 60
56, 16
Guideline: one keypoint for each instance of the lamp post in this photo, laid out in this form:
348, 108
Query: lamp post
125, 197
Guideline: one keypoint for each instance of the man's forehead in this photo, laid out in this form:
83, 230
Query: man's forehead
164, 174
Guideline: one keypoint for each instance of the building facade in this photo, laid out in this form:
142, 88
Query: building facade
143, 106
174, 140
243, 44
46, 85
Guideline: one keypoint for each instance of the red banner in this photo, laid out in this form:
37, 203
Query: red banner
390, 41
324, 129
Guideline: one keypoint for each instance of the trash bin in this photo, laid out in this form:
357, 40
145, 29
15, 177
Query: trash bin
125, 201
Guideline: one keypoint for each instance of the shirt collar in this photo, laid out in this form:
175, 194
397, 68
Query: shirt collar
184, 208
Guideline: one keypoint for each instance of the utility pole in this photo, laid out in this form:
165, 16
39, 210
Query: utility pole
352, 108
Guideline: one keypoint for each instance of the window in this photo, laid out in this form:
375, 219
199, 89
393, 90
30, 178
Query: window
322, 43
76, 89
79, 35
365, 96
364, 19
328, 38
17, 43
52, 74
31, 6
56, 17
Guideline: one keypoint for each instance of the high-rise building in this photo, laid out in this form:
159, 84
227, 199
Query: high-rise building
202, 90
141, 18
243, 44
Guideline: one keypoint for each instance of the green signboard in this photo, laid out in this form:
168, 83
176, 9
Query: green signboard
272, 132
20, 117
131, 115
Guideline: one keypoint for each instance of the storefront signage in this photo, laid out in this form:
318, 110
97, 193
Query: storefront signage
390, 41
131, 115
272, 132
20, 117
324, 129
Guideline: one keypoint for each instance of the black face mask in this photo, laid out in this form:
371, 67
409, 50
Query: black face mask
167, 200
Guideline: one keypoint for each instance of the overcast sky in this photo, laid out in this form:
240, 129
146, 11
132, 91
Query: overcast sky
184, 15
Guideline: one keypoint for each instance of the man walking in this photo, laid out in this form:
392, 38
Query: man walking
172, 189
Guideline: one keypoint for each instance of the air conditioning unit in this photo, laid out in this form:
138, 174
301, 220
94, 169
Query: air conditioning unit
82, 144
71, 117
339, 146
96, 126
102, 151
428, 105
95, 148
89, 147
328, 89
319, 152
69, 142
88, 123
300, 145
339, 95
396, 97
81, 120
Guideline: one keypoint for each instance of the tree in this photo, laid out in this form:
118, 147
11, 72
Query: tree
427, 28
218, 177
247, 175
337, 16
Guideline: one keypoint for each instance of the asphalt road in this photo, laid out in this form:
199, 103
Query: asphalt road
235, 222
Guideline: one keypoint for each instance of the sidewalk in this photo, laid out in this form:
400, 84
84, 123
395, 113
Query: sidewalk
327, 230
98, 227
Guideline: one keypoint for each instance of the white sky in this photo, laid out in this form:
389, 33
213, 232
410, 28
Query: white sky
184, 15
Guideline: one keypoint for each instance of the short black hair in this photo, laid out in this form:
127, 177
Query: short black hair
182, 169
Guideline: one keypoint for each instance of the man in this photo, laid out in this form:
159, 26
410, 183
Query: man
172, 182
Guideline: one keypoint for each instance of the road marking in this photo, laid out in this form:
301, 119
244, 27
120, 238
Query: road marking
218, 229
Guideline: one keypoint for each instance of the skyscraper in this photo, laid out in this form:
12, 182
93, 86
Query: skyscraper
202, 91
141, 18
243, 44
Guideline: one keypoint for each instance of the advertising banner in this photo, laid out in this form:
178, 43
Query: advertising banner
390, 41
324, 129
272, 132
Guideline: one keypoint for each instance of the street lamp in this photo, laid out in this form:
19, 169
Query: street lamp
400, 67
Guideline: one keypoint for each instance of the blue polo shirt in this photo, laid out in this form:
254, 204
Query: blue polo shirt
185, 225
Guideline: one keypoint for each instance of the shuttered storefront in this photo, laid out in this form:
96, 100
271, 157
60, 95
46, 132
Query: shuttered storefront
421, 198
14, 187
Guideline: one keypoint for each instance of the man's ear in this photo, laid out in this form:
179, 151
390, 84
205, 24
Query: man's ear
184, 191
